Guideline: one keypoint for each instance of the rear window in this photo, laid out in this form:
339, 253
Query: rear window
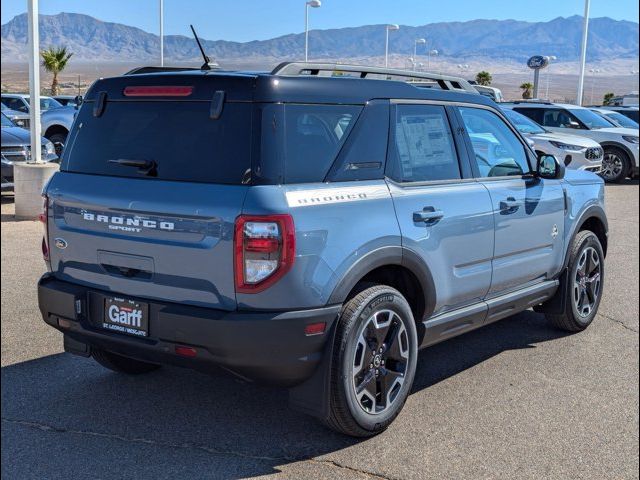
179, 136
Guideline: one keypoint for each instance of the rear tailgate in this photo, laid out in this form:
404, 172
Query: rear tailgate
164, 240
151, 183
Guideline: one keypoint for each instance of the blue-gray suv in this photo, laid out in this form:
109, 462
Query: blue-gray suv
312, 227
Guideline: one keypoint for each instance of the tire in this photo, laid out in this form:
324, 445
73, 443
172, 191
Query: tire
121, 364
362, 320
615, 165
576, 318
58, 140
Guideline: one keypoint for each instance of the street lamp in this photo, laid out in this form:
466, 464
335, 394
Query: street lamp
583, 51
433, 52
420, 41
593, 72
391, 26
550, 58
312, 4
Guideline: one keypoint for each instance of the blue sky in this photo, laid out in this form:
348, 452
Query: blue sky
243, 20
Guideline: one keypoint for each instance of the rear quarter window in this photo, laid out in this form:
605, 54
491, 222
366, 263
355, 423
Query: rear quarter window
179, 136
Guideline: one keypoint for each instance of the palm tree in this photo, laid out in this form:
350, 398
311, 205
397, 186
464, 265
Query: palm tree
54, 60
526, 88
484, 78
607, 98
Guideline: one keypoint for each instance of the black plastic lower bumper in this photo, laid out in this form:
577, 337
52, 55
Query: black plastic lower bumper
269, 347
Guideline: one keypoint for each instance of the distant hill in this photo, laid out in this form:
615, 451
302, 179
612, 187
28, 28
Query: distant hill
501, 40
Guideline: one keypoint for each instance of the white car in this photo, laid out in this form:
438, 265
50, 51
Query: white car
621, 149
20, 102
578, 153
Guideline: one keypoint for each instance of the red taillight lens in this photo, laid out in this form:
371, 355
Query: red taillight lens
44, 218
264, 250
158, 91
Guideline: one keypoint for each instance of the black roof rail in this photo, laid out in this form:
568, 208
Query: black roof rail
445, 82
543, 102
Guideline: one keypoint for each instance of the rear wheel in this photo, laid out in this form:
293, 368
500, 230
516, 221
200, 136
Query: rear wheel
121, 364
586, 279
374, 362
58, 140
615, 165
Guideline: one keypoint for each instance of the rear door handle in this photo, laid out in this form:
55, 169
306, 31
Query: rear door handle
428, 215
510, 205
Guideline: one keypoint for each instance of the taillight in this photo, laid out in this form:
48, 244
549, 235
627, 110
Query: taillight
264, 250
44, 217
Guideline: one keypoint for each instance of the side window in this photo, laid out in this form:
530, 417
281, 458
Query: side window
559, 118
16, 104
498, 151
535, 114
313, 137
423, 148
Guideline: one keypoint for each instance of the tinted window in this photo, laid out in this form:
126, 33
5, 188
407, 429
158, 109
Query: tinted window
423, 148
498, 151
535, 114
560, 118
180, 137
15, 104
313, 137
621, 120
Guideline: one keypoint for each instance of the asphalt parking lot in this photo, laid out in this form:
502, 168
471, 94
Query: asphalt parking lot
517, 399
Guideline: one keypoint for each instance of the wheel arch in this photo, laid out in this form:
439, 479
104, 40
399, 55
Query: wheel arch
625, 149
398, 267
594, 219
54, 129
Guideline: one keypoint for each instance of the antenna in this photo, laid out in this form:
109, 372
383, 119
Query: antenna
207, 61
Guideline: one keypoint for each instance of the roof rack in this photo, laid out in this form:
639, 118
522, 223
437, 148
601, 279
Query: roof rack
445, 82
533, 100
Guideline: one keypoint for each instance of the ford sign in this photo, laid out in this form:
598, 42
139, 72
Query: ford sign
538, 62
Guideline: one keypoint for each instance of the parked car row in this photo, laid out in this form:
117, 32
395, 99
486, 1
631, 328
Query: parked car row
16, 147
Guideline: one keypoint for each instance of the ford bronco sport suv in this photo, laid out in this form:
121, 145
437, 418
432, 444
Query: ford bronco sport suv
313, 228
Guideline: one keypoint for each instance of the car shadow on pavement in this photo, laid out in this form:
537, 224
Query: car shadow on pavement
65, 416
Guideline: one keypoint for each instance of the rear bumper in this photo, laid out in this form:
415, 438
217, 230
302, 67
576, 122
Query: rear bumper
270, 347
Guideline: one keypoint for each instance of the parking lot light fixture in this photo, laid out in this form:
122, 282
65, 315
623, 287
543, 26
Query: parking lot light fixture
419, 41
390, 27
433, 52
312, 4
551, 58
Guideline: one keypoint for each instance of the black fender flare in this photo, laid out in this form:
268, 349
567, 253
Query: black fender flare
592, 211
380, 257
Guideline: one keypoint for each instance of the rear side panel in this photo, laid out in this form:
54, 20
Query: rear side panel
170, 241
336, 225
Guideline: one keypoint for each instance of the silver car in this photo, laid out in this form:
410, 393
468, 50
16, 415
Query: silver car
578, 153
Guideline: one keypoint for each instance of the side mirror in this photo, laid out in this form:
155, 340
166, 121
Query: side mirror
574, 125
78, 101
550, 168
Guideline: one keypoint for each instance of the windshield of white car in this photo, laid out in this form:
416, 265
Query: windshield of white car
621, 120
6, 123
593, 121
522, 123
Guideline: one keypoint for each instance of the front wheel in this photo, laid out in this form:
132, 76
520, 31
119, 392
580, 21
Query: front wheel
374, 362
585, 282
615, 165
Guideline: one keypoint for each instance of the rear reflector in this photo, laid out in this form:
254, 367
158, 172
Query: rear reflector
63, 323
186, 351
158, 91
315, 328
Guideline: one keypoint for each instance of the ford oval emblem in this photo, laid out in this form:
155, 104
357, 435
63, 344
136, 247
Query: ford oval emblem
538, 62
61, 243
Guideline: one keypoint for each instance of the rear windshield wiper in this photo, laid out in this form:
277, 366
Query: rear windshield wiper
145, 167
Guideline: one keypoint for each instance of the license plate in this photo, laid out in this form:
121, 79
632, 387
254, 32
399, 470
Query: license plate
126, 316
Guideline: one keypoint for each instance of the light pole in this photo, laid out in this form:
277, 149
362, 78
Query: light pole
34, 81
433, 52
551, 58
391, 26
420, 41
635, 74
593, 72
161, 33
583, 52
312, 4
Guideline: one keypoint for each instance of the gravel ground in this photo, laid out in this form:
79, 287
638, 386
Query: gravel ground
515, 399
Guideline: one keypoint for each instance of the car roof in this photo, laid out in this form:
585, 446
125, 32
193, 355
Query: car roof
261, 87
22, 95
